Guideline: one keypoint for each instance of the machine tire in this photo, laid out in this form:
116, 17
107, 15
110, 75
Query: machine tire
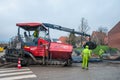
26, 61
68, 62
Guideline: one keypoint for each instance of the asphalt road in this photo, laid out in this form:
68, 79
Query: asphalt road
97, 71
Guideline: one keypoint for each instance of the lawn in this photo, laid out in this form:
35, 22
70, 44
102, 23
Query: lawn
96, 50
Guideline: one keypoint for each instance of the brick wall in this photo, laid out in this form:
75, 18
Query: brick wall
114, 37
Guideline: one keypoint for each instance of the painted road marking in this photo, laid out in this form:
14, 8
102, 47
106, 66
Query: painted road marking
15, 74
3, 71
19, 77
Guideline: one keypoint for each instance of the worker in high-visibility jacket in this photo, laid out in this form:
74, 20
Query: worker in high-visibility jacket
86, 54
101, 51
36, 33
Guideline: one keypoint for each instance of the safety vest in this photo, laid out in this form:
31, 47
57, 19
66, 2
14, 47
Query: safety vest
86, 53
35, 34
101, 52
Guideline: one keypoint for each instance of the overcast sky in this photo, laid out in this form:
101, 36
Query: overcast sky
67, 13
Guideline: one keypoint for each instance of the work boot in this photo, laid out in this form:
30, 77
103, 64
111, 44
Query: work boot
83, 68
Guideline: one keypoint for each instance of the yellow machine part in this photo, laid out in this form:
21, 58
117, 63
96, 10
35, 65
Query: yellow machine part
1, 49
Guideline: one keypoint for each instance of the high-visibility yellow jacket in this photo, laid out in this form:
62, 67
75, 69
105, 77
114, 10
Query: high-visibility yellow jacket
101, 51
86, 53
35, 34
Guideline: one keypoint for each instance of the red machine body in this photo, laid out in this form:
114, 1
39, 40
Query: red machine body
60, 51
56, 50
37, 49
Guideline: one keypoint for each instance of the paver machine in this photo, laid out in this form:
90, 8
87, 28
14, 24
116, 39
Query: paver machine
39, 49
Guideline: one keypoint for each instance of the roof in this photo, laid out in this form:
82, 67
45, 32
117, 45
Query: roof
63, 39
95, 33
30, 26
98, 37
115, 29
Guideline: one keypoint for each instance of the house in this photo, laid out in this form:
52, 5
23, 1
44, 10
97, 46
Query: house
83, 38
63, 39
114, 36
99, 38
106, 40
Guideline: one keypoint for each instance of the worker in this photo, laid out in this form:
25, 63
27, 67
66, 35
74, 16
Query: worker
26, 36
36, 33
101, 51
86, 54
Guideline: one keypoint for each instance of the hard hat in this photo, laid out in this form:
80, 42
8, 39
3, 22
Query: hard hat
86, 46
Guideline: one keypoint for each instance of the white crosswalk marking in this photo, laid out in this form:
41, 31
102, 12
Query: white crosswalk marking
16, 74
3, 71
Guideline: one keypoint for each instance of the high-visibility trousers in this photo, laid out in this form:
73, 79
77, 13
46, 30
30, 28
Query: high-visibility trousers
85, 62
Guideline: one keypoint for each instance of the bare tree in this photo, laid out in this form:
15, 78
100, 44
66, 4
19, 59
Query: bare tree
103, 29
83, 28
71, 39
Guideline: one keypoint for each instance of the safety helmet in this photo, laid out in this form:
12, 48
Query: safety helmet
86, 46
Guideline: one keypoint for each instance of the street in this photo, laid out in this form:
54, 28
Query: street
97, 71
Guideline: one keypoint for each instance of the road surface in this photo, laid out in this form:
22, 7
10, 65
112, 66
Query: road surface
97, 71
